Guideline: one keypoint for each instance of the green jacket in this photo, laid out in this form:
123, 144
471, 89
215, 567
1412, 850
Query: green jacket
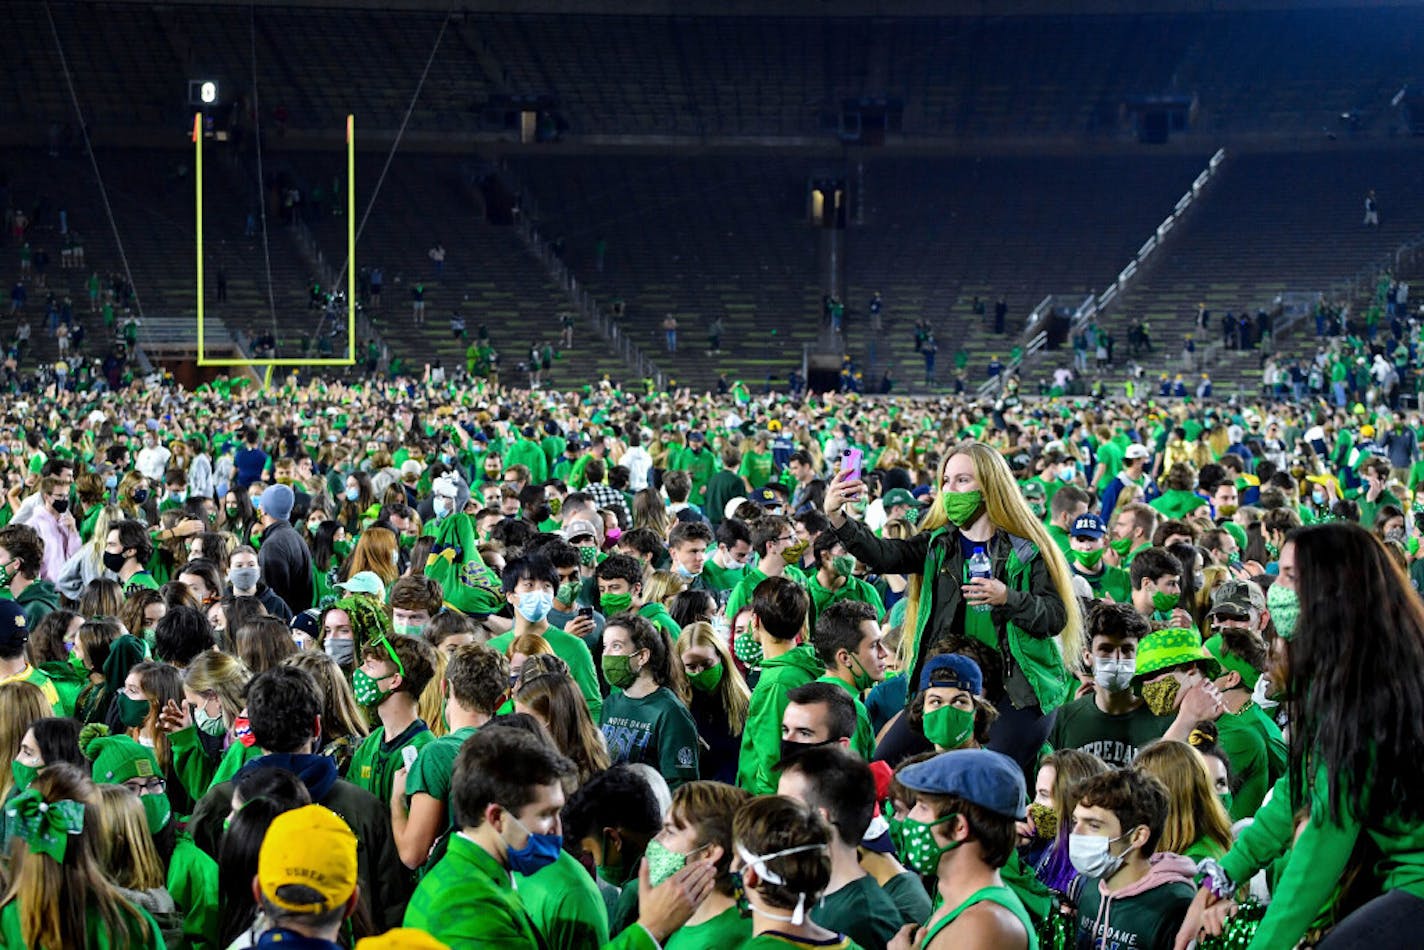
67, 682
1320, 855
193, 882
761, 739
1026, 624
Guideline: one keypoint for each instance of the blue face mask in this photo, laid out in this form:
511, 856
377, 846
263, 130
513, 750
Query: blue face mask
539, 852
352, 494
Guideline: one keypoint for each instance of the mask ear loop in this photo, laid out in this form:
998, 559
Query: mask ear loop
798, 916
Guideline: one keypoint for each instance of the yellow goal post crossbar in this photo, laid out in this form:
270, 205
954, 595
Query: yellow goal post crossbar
350, 358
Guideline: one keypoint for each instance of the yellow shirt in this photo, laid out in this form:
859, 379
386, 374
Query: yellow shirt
31, 675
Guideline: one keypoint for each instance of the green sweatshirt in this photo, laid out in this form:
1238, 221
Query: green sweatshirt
1319, 856
741, 595
193, 883
1257, 752
761, 739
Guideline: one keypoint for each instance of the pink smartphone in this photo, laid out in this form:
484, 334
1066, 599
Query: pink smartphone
850, 463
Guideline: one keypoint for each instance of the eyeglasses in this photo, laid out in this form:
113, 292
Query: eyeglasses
790, 540
149, 786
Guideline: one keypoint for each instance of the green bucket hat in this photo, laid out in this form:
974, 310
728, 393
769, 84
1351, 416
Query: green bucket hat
1164, 649
1249, 674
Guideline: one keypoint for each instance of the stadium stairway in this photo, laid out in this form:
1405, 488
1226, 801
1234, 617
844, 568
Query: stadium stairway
1274, 223
489, 276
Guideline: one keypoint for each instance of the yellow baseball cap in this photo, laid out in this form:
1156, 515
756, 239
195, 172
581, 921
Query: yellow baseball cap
402, 938
308, 847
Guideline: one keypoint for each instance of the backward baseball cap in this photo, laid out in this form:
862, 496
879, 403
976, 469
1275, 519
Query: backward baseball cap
1237, 598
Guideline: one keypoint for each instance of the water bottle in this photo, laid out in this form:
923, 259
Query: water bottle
980, 566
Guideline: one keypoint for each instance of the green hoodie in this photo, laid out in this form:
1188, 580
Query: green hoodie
38, 601
761, 738
656, 614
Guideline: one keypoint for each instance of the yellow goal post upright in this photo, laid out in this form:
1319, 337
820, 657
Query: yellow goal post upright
350, 358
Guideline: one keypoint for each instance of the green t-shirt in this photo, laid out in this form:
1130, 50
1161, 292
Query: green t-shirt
1257, 752
656, 729
1116, 740
432, 769
907, 892
572, 651
720, 578
726, 931
140, 581
861, 911
756, 469
376, 761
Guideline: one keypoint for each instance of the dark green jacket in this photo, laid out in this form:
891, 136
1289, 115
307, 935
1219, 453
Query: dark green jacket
1026, 624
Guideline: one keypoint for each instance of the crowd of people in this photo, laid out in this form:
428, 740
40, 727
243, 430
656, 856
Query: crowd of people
417, 665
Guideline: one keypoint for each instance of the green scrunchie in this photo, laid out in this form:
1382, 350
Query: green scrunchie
44, 826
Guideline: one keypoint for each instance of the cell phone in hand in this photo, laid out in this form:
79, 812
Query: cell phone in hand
850, 464
408, 756
586, 612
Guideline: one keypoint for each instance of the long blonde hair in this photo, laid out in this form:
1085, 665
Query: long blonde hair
57, 899
126, 848
432, 702
21, 706
1193, 810
223, 675
1009, 512
732, 692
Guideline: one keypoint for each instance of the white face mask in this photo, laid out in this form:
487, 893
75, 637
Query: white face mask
1112, 674
1090, 855
757, 862
1258, 694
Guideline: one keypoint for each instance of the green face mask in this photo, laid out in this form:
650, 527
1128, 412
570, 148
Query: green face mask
843, 565
705, 681
132, 712
615, 603
1089, 559
921, 851
157, 810
233, 512
1161, 696
24, 774
949, 727
408, 629
1227, 800
588, 555
77, 661
862, 679
367, 689
567, 592
618, 670
1162, 602
747, 649
1123, 546
960, 507
1284, 606
1044, 820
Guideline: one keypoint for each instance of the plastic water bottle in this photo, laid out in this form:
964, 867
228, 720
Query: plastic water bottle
980, 566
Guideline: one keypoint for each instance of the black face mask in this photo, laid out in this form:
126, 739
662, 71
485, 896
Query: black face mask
140, 495
790, 750
60, 506
114, 562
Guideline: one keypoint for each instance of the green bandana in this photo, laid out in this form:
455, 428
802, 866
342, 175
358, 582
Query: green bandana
1162, 603
921, 851
1284, 606
44, 826
615, 603
1121, 546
